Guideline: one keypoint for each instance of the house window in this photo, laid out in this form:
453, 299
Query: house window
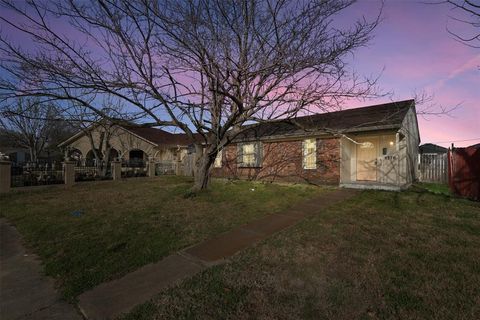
310, 153
250, 154
218, 160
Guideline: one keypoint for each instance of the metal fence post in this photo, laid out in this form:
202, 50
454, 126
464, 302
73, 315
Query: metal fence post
116, 170
69, 173
5, 176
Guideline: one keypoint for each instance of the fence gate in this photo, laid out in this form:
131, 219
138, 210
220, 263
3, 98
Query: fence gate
433, 167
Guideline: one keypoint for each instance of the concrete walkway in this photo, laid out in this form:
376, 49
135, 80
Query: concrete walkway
109, 300
24, 292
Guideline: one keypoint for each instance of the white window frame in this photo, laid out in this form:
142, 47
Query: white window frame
251, 155
218, 159
251, 151
309, 150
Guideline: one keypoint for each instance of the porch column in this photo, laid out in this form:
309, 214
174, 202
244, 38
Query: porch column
178, 168
69, 173
116, 170
151, 168
5, 175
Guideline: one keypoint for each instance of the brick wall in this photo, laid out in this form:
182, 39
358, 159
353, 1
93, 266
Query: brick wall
282, 161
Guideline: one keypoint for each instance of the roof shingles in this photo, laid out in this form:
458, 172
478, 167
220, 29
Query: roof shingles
389, 115
159, 136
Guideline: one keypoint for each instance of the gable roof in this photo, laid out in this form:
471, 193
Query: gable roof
432, 148
159, 136
154, 136
376, 117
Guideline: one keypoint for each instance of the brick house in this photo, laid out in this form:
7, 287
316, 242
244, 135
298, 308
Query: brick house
369, 147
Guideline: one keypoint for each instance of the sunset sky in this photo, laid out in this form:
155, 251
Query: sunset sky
418, 54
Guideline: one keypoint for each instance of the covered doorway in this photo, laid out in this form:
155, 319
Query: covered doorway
367, 151
136, 158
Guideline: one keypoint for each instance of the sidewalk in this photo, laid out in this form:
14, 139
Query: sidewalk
111, 299
24, 292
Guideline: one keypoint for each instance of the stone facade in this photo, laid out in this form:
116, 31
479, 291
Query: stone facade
122, 141
283, 161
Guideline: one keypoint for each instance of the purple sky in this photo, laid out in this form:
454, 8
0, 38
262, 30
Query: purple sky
418, 54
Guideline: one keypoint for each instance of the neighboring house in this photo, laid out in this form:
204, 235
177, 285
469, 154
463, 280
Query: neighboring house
430, 148
135, 144
369, 147
8, 147
16, 155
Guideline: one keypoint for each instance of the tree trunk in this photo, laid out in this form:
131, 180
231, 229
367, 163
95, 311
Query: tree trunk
106, 160
203, 164
33, 154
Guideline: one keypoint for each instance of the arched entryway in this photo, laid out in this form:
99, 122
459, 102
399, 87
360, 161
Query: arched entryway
75, 155
113, 156
90, 160
136, 158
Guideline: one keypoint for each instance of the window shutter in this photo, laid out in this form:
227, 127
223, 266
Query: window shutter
258, 154
239, 154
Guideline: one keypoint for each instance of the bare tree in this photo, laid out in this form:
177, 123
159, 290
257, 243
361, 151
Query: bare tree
466, 12
28, 124
206, 67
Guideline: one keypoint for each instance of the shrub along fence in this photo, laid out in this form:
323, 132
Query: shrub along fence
102, 171
134, 169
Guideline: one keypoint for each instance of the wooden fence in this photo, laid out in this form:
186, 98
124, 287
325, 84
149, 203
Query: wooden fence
433, 167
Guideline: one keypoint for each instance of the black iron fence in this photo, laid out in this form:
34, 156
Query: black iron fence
42, 173
134, 168
36, 174
101, 171
165, 168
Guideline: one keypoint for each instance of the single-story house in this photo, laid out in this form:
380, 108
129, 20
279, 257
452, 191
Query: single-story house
430, 148
16, 155
135, 144
368, 147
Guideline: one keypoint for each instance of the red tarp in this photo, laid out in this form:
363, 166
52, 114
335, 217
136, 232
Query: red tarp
464, 171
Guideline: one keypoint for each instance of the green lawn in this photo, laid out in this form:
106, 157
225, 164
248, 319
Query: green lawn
438, 188
381, 255
98, 231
